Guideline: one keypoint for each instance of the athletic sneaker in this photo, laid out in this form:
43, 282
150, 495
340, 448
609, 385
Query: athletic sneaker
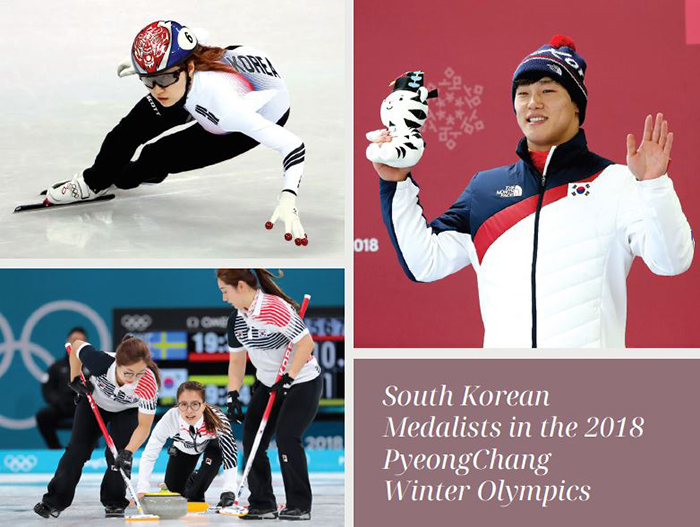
294, 514
44, 510
114, 511
260, 514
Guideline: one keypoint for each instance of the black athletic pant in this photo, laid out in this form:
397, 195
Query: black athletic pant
289, 420
84, 435
180, 475
181, 151
47, 420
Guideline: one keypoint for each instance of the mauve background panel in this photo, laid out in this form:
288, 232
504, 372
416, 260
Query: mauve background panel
649, 481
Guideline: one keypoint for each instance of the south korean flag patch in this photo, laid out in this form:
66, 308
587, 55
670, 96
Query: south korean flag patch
579, 189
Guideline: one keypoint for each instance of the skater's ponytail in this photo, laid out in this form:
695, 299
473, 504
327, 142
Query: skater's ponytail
212, 422
208, 58
132, 350
257, 279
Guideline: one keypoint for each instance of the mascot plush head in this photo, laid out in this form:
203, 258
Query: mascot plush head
407, 105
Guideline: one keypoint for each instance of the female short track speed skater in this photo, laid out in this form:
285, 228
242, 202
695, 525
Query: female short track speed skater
124, 386
235, 94
264, 323
196, 429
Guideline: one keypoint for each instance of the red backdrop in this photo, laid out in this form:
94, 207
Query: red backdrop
642, 57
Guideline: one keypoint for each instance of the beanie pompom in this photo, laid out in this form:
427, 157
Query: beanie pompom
560, 41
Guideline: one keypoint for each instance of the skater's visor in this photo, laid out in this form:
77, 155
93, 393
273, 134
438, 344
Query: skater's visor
162, 79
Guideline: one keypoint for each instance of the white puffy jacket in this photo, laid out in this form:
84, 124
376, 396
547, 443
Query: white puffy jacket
551, 260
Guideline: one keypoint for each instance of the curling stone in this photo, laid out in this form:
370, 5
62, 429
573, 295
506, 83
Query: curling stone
167, 505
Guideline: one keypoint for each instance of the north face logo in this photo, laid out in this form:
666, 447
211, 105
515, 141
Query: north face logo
556, 69
511, 191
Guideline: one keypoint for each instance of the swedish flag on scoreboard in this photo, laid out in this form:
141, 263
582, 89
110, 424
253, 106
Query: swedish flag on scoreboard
168, 345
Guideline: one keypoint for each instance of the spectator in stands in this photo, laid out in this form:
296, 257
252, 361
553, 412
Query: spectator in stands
57, 394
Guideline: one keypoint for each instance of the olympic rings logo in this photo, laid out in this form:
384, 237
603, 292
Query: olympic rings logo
20, 462
136, 322
28, 349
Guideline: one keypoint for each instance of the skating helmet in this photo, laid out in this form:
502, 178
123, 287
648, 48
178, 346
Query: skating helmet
161, 45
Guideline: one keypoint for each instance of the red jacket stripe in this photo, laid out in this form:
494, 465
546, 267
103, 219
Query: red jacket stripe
500, 222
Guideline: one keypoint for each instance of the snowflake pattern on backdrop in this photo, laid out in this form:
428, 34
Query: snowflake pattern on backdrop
454, 112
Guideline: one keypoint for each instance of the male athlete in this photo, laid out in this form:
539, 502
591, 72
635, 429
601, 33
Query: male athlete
551, 237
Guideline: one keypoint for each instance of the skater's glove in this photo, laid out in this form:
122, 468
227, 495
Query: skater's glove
286, 211
283, 385
226, 499
123, 461
80, 389
125, 68
235, 410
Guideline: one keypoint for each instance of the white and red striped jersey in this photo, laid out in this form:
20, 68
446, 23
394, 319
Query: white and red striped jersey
108, 395
192, 440
264, 330
250, 101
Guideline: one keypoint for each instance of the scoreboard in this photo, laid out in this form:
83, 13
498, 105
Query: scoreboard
192, 344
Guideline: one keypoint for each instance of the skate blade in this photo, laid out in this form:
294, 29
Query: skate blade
43, 205
142, 518
234, 510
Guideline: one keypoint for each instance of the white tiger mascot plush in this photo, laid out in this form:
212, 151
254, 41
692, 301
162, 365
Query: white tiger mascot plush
403, 112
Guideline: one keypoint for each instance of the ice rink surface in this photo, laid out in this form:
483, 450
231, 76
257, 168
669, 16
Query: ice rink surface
19, 494
61, 96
